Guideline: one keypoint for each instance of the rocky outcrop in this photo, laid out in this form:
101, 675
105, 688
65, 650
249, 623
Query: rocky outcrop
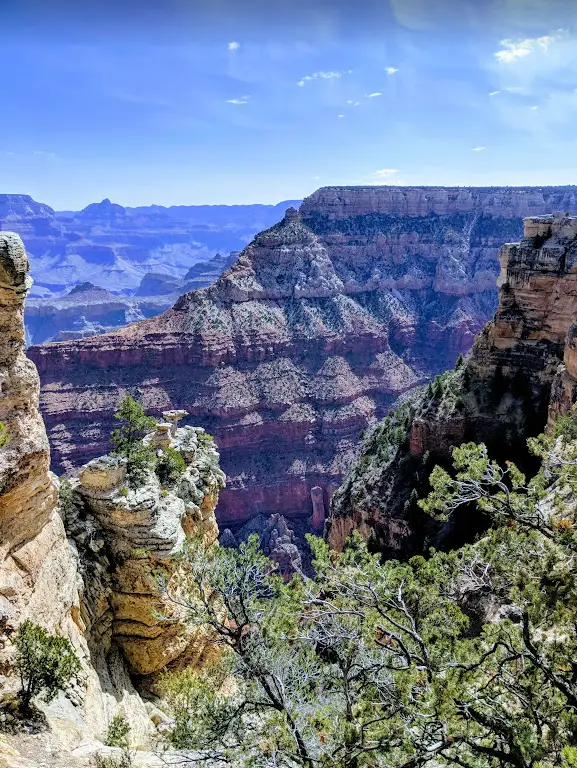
127, 535
306, 340
521, 374
36, 562
91, 579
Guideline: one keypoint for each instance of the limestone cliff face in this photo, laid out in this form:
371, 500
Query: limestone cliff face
127, 536
36, 562
309, 337
521, 373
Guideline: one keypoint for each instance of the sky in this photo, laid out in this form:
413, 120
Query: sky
229, 102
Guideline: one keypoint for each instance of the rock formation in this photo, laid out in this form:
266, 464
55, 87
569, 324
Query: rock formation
95, 586
306, 340
36, 562
126, 535
521, 373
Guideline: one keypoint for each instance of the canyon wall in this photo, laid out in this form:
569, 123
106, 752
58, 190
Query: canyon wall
305, 341
36, 562
79, 559
521, 374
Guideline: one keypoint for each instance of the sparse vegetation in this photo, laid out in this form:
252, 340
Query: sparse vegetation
170, 466
46, 663
124, 760
4, 435
127, 440
117, 732
66, 497
205, 440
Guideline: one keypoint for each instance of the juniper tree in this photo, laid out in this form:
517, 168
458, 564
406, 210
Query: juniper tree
127, 439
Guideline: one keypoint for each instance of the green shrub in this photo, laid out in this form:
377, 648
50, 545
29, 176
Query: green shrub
66, 497
46, 663
127, 440
205, 440
123, 760
4, 435
117, 733
170, 466
123, 492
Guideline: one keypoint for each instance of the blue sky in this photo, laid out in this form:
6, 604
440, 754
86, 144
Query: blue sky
228, 102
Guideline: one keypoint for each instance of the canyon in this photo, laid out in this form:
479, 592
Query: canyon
520, 375
105, 266
305, 341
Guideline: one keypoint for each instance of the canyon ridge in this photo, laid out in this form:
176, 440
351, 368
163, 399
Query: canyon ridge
308, 339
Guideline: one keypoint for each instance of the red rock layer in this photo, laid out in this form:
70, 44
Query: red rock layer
319, 325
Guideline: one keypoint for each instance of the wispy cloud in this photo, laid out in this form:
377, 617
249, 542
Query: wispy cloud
513, 50
478, 149
373, 95
241, 100
42, 153
340, 117
391, 70
383, 176
535, 106
353, 103
327, 74
233, 46
494, 93
385, 173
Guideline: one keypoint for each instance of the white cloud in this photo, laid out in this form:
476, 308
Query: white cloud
513, 50
479, 149
353, 103
391, 70
233, 46
327, 74
44, 154
242, 100
340, 117
534, 107
9, 154
373, 95
494, 93
384, 176
385, 173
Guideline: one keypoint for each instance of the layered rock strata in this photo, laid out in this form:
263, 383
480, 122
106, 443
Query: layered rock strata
306, 340
521, 374
127, 535
94, 586
36, 562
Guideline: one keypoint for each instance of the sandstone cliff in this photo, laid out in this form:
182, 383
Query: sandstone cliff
125, 536
521, 373
322, 321
81, 564
36, 562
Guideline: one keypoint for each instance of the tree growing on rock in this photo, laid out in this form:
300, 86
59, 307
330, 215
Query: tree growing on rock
46, 663
127, 440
